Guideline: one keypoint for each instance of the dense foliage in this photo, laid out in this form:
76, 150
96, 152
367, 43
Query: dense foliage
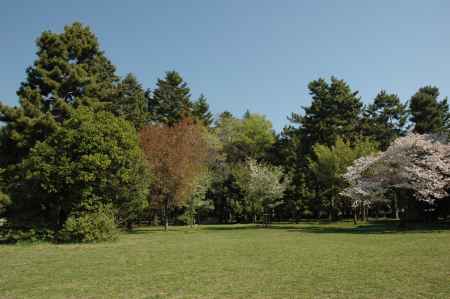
86, 151
92, 160
175, 155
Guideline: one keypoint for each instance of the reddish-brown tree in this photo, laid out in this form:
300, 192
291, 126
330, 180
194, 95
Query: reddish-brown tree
175, 155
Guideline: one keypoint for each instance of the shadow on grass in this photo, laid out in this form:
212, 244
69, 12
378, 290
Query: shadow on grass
252, 226
316, 227
383, 227
155, 229
140, 231
326, 227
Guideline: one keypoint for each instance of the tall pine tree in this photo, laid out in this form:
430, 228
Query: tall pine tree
334, 112
428, 114
201, 111
70, 71
170, 102
384, 120
131, 102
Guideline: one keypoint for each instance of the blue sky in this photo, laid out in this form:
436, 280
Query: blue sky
243, 54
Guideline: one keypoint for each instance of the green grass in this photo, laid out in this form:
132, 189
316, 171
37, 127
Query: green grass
308, 260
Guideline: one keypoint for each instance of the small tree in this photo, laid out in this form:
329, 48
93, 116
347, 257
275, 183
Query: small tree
263, 187
330, 164
197, 201
175, 156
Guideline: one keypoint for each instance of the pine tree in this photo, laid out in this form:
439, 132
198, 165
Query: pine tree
70, 80
428, 113
385, 119
70, 70
201, 111
130, 101
334, 112
170, 102
287, 153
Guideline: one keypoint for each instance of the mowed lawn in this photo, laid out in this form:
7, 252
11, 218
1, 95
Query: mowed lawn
308, 260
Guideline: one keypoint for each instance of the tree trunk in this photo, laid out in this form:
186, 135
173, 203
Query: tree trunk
129, 225
396, 210
331, 213
155, 219
166, 215
364, 210
355, 216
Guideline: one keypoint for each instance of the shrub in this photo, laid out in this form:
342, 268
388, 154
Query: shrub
92, 226
15, 235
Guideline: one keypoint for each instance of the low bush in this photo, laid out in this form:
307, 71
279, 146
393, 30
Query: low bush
19, 235
92, 226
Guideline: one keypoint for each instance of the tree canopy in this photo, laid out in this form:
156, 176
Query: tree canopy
175, 155
428, 113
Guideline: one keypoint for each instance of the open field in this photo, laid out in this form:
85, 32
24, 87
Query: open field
308, 260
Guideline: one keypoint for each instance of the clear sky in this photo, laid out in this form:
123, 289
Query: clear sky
243, 54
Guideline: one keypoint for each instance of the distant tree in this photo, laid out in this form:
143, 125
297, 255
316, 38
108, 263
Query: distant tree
4, 202
227, 130
262, 186
131, 102
250, 137
176, 155
170, 102
329, 165
428, 114
385, 119
286, 152
200, 111
197, 201
334, 112
224, 115
91, 162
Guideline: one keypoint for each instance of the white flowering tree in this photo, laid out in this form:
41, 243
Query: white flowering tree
365, 188
420, 163
263, 186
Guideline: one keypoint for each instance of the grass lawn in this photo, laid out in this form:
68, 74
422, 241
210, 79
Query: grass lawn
308, 260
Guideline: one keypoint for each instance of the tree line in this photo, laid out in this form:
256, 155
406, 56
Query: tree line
86, 151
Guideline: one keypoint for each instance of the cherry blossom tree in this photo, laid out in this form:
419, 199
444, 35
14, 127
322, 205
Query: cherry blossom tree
420, 163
